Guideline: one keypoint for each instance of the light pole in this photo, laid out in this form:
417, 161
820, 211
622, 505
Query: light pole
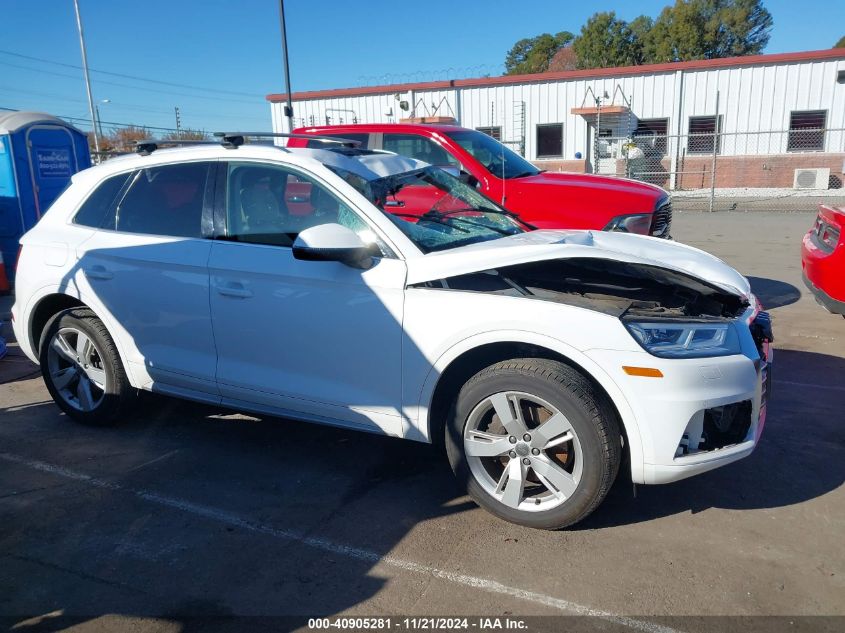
289, 105
87, 77
99, 120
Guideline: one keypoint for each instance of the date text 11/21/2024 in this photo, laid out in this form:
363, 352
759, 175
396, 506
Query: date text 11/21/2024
419, 623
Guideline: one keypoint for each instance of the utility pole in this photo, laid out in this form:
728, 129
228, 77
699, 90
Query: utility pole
87, 78
178, 122
99, 120
289, 105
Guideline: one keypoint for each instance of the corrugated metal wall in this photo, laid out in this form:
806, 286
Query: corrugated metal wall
751, 99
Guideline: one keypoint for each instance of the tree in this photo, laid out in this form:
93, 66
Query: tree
607, 41
689, 29
533, 55
708, 29
187, 135
123, 138
840, 43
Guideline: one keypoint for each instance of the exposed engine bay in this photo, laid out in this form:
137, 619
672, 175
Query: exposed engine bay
617, 288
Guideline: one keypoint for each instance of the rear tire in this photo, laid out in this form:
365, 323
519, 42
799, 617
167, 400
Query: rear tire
82, 369
546, 477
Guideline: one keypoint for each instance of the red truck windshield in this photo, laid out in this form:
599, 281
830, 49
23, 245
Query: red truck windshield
496, 158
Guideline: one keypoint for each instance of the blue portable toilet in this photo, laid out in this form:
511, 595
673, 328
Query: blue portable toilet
38, 155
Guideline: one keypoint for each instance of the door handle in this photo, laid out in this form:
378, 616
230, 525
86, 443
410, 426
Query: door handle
98, 272
234, 289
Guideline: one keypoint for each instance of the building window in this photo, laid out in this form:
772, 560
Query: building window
806, 131
494, 131
703, 135
651, 134
550, 140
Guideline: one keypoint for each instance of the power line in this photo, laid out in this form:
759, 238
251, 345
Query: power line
126, 106
132, 77
120, 85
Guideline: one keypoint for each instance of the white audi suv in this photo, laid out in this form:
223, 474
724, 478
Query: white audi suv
292, 282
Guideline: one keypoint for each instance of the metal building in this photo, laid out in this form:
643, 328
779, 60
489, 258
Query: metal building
754, 121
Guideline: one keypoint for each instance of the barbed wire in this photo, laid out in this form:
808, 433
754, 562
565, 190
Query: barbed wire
452, 72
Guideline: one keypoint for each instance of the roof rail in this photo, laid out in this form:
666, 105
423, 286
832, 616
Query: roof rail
236, 139
148, 146
233, 140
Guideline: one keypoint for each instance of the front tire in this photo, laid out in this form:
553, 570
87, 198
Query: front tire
533, 443
82, 369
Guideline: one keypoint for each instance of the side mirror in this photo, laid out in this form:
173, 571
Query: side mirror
470, 180
332, 243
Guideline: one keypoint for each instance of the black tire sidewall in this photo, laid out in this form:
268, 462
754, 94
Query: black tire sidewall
567, 402
115, 376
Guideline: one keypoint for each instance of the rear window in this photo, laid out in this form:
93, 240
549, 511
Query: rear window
94, 210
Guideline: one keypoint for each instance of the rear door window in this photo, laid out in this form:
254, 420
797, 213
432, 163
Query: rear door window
164, 200
419, 147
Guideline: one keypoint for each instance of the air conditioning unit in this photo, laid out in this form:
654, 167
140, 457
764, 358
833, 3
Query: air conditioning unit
811, 178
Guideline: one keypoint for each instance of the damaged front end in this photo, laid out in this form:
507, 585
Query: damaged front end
627, 290
670, 313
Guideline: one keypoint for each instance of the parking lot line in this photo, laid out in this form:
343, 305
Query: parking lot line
350, 551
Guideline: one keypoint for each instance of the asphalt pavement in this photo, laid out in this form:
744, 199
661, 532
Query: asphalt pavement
189, 517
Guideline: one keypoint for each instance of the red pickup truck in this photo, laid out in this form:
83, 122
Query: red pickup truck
548, 200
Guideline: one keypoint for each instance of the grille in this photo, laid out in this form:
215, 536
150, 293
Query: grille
761, 331
661, 222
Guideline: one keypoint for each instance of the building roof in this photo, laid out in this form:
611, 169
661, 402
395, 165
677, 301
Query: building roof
645, 69
11, 122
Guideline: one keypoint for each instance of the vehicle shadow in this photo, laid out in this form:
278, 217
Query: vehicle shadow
363, 491
774, 293
306, 494
803, 423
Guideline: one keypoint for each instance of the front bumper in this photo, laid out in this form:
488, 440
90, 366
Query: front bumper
675, 414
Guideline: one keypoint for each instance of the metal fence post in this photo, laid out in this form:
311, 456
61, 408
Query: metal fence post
716, 140
596, 139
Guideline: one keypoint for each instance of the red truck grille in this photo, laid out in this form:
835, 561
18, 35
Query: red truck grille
661, 221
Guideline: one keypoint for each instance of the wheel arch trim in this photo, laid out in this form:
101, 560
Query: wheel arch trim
114, 329
421, 431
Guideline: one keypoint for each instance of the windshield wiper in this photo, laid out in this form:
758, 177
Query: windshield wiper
429, 215
524, 174
436, 218
510, 214
504, 212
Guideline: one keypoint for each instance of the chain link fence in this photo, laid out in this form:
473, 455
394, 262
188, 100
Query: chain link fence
787, 170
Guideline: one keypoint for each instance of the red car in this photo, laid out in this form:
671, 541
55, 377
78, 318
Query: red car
548, 200
823, 259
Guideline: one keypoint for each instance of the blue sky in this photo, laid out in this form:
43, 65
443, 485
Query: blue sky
219, 58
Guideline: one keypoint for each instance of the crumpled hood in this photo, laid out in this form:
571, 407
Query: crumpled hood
561, 244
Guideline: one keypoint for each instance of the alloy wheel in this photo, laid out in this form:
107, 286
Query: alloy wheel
523, 451
75, 366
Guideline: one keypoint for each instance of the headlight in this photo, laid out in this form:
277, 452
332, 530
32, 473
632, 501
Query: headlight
639, 223
686, 340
